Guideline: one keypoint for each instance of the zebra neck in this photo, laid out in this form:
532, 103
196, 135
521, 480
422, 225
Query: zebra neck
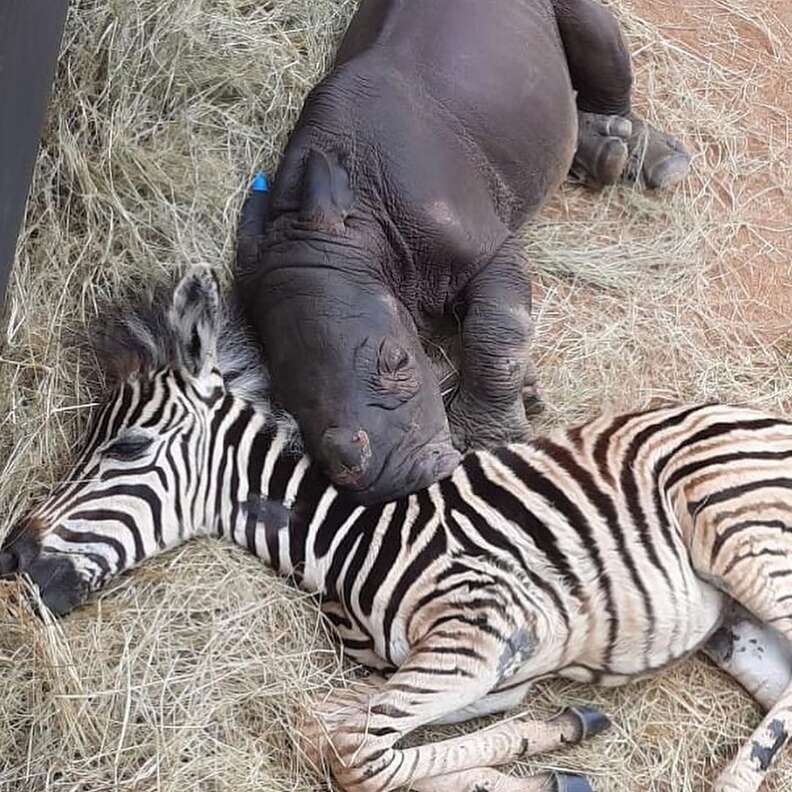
271, 499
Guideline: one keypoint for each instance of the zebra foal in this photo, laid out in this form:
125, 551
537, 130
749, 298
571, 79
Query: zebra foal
601, 553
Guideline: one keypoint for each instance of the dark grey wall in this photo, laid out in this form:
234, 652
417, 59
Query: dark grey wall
30, 37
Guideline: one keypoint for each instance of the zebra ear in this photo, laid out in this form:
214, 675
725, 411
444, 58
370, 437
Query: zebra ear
195, 318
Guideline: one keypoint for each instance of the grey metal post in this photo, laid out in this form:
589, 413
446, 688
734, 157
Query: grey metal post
30, 38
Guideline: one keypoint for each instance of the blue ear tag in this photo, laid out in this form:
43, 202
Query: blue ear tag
260, 183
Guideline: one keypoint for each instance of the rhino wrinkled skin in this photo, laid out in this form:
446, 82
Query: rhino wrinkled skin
443, 126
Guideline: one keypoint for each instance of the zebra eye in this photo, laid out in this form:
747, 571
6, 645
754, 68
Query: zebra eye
129, 448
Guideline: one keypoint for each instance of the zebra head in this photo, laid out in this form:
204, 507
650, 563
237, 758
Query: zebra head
139, 486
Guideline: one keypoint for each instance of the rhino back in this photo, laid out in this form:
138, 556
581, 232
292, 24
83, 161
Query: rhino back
456, 120
494, 73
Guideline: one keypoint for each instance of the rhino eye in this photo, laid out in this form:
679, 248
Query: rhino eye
393, 359
397, 378
129, 448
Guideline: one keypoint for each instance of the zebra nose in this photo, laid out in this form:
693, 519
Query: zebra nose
59, 583
9, 563
346, 454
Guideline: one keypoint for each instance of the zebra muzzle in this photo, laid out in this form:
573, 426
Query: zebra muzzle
60, 585
9, 563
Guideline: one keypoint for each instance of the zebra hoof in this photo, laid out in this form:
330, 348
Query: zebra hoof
572, 782
590, 721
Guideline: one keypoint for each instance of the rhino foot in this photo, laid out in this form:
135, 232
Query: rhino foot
532, 401
602, 150
657, 160
476, 425
532, 396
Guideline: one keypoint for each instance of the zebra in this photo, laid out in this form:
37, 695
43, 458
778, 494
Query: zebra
601, 553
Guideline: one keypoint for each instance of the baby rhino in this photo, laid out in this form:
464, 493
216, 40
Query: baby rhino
443, 127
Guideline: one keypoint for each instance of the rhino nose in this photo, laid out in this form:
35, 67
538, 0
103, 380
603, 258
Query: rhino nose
435, 462
346, 453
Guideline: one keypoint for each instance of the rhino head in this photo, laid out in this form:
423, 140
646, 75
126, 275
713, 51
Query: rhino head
344, 353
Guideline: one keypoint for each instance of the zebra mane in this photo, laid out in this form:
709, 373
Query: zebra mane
134, 335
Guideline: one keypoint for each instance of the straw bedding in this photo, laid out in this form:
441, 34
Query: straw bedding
185, 674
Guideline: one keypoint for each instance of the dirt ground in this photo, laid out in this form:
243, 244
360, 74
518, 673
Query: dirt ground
758, 271
186, 674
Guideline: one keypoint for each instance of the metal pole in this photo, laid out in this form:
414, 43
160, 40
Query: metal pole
30, 38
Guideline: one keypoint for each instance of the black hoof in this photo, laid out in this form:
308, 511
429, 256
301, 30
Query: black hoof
590, 720
572, 782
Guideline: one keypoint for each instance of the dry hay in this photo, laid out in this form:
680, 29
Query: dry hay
185, 675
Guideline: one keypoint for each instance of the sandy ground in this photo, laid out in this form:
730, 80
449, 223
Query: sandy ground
185, 675
758, 270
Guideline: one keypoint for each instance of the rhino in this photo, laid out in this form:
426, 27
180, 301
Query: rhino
443, 126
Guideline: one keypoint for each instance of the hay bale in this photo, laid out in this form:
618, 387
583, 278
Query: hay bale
185, 674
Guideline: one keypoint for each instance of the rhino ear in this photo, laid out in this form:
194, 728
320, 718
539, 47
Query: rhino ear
326, 194
195, 319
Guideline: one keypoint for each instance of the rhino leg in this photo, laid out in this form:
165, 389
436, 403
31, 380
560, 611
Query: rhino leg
602, 150
444, 350
601, 73
597, 55
488, 407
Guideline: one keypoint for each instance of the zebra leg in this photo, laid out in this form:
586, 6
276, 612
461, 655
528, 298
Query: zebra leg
360, 762
493, 703
757, 574
502, 743
355, 731
749, 768
484, 779
755, 655
356, 644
